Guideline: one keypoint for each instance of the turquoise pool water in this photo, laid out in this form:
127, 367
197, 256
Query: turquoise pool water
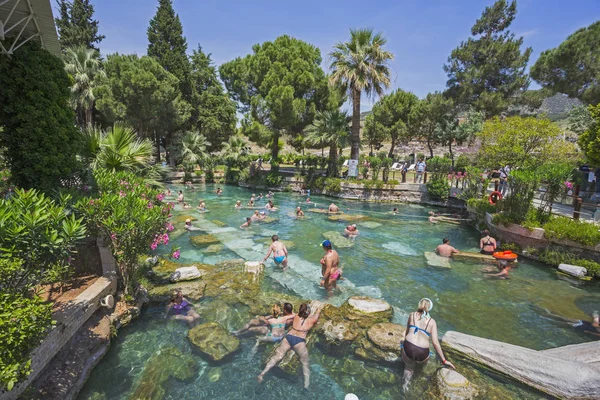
387, 260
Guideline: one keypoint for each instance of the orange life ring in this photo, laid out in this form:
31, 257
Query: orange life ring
505, 255
494, 197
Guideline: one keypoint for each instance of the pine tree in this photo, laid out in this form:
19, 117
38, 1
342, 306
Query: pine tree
76, 26
489, 70
168, 45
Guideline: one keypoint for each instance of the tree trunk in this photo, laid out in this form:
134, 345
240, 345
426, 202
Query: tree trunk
157, 141
451, 154
333, 170
355, 136
391, 153
275, 152
429, 146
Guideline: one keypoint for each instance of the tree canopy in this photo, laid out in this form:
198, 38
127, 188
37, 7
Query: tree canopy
139, 91
76, 25
523, 142
168, 45
573, 67
427, 115
360, 66
280, 86
488, 70
213, 113
391, 114
38, 123
589, 141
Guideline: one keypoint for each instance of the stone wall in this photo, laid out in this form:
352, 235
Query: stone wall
68, 320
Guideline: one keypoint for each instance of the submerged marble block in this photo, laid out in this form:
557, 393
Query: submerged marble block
185, 274
213, 341
573, 270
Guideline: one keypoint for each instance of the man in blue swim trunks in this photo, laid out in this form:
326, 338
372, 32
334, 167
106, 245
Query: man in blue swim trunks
280, 253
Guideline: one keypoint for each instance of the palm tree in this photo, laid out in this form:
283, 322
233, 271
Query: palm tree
84, 66
234, 151
118, 149
360, 65
330, 128
194, 149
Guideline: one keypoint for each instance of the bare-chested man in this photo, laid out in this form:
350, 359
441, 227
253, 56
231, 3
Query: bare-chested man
333, 208
280, 253
299, 212
445, 250
329, 268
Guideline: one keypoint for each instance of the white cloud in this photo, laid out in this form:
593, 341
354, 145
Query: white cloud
527, 34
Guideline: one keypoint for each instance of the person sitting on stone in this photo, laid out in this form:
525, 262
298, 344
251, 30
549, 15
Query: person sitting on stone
487, 244
420, 330
271, 327
181, 308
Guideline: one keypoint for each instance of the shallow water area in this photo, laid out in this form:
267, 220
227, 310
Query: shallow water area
386, 260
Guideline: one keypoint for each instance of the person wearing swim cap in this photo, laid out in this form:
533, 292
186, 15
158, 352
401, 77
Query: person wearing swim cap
329, 268
420, 329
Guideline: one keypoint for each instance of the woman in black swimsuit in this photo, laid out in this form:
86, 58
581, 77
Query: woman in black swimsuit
487, 244
415, 348
295, 340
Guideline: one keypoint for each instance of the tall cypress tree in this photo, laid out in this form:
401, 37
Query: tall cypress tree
487, 71
76, 25
168, 45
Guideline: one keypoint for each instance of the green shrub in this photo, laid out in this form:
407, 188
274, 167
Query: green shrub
510, 246
557, 257
333, 185
592, 267
273, 179
393, 182
39, 231
481, 206
566, 228
522, 184
132, 218
438, 186
462, 163
24, 322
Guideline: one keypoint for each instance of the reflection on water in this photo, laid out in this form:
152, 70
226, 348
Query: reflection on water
387, 260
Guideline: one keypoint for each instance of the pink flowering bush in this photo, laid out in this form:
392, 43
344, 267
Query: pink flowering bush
131, 223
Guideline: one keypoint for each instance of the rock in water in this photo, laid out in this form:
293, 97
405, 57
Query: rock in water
400, 248
370, 224
214, 248
339, 331
453, 386
338, 239
168, 363
573, 270
434, 260
204, 240
366, 311
387, 336
560, 378
185, 274
213, 341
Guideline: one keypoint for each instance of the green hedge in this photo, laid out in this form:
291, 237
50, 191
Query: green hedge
556, 257
566, 228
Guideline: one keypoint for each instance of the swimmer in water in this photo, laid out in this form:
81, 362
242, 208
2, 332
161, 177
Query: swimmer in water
351, 231
186, 206
295, 340
188, 225
432, 217
251, 203
270, 206
219, 192
395, 211
280, 253
272, 327
168, 191
238, 205
247, 223
182, 308
308, 200
202, 206
329, 268
260, 196
257, 216
333, 208
180, 197
504, 268
299, 212
445, 250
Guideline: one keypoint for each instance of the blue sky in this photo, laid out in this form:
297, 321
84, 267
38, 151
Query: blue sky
421, 34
